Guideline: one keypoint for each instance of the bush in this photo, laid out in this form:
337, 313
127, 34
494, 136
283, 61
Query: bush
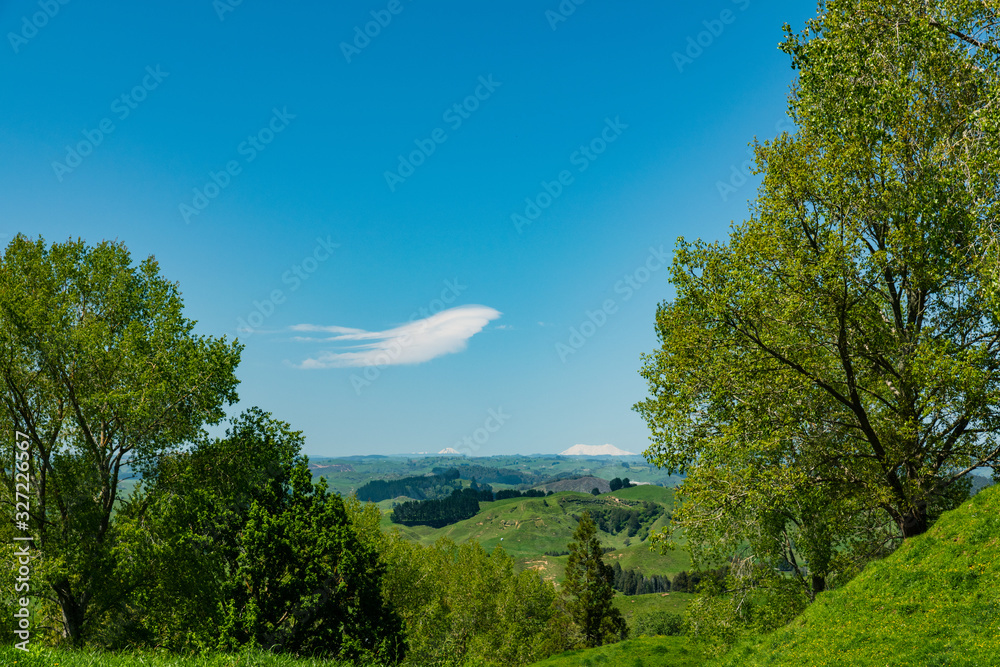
658, 623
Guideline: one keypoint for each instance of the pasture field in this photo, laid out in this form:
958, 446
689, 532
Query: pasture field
642, 652
527, 528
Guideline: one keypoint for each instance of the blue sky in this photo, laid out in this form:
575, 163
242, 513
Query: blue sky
452, 231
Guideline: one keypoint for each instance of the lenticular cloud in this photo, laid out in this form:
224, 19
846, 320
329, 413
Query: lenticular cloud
412, 343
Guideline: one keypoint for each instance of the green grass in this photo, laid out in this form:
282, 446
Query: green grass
528, 527
933, 602
642, 652
44, 657
634, 605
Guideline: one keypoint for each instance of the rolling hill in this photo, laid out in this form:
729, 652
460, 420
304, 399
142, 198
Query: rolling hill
527, 528
932, 602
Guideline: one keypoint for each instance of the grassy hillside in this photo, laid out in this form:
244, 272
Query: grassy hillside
933, 602
528, 527
643, 652
46, 657
635, 605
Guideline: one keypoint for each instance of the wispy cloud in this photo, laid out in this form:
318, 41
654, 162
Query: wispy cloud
412, 343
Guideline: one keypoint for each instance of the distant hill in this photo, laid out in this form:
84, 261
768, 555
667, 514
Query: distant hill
979, 483
932, 602
595, 450
527, 528
578, 484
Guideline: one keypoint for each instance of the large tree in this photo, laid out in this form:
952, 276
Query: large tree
833, 369
103, 374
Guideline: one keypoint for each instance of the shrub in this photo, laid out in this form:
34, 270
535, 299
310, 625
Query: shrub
658, 623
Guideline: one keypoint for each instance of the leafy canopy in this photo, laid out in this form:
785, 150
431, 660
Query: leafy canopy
102, 373
829, 376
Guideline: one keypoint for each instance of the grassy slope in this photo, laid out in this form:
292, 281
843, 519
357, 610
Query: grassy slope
933, 602
634, 605
528, 527
44, 657
642, 652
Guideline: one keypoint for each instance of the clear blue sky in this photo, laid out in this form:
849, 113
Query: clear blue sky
116, 116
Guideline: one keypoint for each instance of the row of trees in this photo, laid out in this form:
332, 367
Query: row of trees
506, 494
619, 483
493, 475
633, 582
419, 487
460, 505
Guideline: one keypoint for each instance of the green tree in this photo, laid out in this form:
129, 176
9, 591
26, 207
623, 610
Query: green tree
616, 483
590, 585
102, 374
846, 336
830, 375
462, 605
237, 547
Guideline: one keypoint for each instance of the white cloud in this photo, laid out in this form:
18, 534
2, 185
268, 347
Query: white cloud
412, 343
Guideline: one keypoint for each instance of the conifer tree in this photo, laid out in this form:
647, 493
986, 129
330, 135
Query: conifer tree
589, 584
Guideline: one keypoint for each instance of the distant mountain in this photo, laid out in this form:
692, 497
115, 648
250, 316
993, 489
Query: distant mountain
450, 450
595, 450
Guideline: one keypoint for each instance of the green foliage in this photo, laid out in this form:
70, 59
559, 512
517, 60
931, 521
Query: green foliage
616, 518
47, 657
589, 587
102, 372
642, 652
658, 623
461, 605
932, 602
506, 494
632, 582
829, 375
494, 475
422, 487
461, 504
239, 548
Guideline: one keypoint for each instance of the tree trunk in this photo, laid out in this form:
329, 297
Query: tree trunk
73, 613
818, 584
914, 521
